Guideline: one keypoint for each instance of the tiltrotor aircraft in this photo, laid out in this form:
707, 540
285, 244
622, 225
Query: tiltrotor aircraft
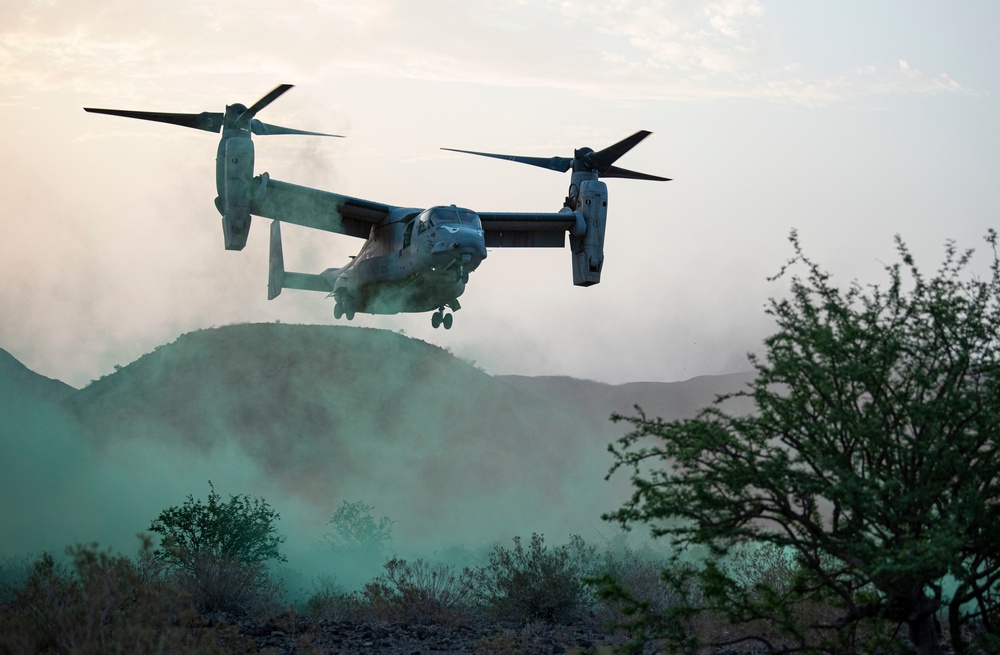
413, 260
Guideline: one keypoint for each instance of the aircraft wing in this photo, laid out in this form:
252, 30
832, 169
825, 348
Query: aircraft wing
322, 210
528, 230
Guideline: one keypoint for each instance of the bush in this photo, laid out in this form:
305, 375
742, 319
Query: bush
215, 584
241, 530
355, 528
100, 603
762, 567
418, 592
14, 574
358, 542
536, 582
218, 550
332, 602
639, 574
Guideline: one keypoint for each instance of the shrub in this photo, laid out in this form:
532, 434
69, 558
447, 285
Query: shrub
331, 601
760, 568
536, 582
14, 574
218, 550
216, 584
241, 530
418, 593
639, 574
355, 528
100, 603
358, 542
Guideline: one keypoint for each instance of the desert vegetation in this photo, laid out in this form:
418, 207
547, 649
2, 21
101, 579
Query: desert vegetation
207, 588
865, 481
525, 595
846, 502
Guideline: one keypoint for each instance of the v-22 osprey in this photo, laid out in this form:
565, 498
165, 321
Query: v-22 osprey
412, 260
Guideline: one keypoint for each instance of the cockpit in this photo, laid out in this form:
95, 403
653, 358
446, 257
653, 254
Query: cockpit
450, 215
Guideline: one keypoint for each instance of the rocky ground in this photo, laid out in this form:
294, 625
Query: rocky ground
307, 635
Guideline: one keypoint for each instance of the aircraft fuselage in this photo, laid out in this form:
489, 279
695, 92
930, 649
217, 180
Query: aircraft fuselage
420, 262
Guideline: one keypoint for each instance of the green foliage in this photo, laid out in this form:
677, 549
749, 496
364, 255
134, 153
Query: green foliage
218, 550
536, 582
872, 456
241, 530
355, 528
419, 592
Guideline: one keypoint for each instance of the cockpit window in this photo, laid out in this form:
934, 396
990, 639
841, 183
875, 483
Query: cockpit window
450, 216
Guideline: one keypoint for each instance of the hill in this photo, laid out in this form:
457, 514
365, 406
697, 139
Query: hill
670, 400
311, 416
333, 413
17, 380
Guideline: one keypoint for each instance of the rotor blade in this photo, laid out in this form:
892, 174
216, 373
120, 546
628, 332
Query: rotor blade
614, 171
603, 159
560, 164
265, 101
262, 129
206, 120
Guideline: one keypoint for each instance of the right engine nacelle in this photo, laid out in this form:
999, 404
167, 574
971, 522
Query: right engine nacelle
588, 248
234, 176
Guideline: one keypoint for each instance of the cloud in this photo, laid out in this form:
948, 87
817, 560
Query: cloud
633, 49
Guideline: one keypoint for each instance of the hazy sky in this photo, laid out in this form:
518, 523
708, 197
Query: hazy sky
850, 121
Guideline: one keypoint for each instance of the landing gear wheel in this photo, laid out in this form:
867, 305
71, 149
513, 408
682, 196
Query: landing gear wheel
447, 321
436, 319
349, 314
338, 311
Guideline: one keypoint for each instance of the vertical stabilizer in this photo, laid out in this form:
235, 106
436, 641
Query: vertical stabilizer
276, 263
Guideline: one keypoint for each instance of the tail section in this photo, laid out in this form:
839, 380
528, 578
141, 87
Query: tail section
276, 263
278, 278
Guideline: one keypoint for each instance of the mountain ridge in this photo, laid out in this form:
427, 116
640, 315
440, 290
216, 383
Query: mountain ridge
16, 378
332, 413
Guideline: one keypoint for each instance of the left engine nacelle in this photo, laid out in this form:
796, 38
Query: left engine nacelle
234, 176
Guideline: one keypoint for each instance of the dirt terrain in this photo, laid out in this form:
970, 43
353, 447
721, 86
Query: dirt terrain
289, 634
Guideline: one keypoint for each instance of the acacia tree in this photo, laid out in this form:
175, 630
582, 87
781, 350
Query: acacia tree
241, 530
356, 528
872, 455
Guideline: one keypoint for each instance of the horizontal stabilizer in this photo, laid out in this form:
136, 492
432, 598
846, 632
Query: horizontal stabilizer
306, 282
278, 279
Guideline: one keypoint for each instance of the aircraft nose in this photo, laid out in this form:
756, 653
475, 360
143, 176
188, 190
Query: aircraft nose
464, 241
472, 242
473, 245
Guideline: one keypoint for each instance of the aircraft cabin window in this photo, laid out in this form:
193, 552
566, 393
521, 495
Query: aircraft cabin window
408, 234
